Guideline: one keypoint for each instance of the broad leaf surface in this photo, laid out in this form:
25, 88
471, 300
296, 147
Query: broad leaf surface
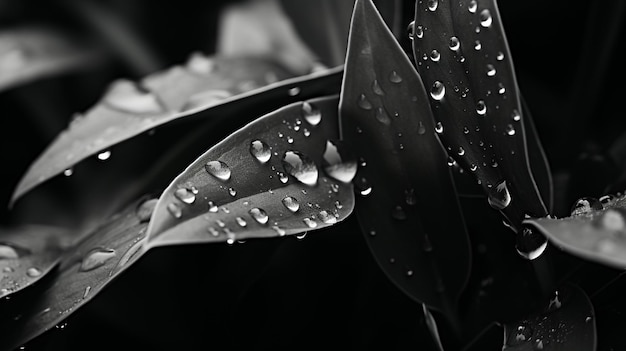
407, 204
566, 323
27, 254
27, 54
129, 109
82, 272
244, 187
595, 235
462, 55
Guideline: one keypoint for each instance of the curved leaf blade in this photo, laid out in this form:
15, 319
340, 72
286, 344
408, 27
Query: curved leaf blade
597, 235
567, 323
408, 209
241, 187
462, 54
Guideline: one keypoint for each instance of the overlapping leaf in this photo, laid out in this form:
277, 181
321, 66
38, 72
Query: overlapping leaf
407, 205
595, 235
462, 54
566, 323
273, 177
27, 54
129, 109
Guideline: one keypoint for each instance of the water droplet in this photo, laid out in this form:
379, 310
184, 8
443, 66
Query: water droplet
377, 89
8, 252
460, 151
327, 217
300, 167
501, 89
485, 18
104, 155
432, 5
394, 77
213, 231
435, 55
364, 103
33, 272
232, 191
530, 244
145, 209
521, 335
510, 130
260, 150
439, 128
382, 116
366, 191
212, 206
455, 44
259, 215
606, 199
185, 195
293, 91
438, 90
481, 108
306, 132
500, 56
516, 116
218, 169
613, 220
588, 319
198, 63
472, 6
398, 213
477, 45
336, 167
291, 203
491, 70
127, 96
473, 168
290, 140
410, 29
421, 129
311, 223
175, 210
466, 130
68, 172
409, 197
311, 114
585, 205
409, 272
87, 290
96, 258
499, 196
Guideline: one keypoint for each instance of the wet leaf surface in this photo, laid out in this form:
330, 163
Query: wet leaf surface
567, 322
462, 55
28, 54
279, 175
596, 231
129, 109
27, 254
406, 201
82, 272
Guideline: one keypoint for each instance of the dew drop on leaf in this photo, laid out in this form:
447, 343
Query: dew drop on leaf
499, 196
410, 29
421, 129
126, 96
455, 44
477, 45
438, 90
242, 222
439, 128
481, 107
259, 215
260, 150
291, 203
327, 217
473, 5
175, 210
68, 172
300, 167
311, 114
213, 231
530, 244
232, 191
96, 258
510, 130
394, 77
311, 223
432, 4
516, 116
33, 272
500, 56
8, 252
382, 116
145, 209
212, 206
336, 167
585, 205
293, 91
501, 89
435, 55
377, 89
104, 155
185, 195
485, 18
218, 169
491, 70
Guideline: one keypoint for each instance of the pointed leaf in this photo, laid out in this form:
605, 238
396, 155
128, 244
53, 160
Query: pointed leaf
128, 110
408, 207
566, 323
27, 254
462, 55
83, 271
271, 178
595, 235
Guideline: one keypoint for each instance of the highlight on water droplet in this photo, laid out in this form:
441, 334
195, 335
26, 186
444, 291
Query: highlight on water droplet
232, 191
500, 56
477, 45
606, 199
585, 205
410, 29
364, 103
175, 210
212, 206
419, 32
104, 155
300, 167
363, 186
218, 169
382, 116
491, 70
394, 77
510, 130
291, 203
9, 252
33, 272
280, 231
473, 5
530, 244
259, 215
241, 222
309, 222
96, 258
438, 90
336, 167
432, 5
185, 195
501, 89
127, 96
481, 107
516, 116
293, 91
311, 114
260, 150
455, 44
499, 196
377, 89
327, 217
435, 55
68, 172
439, 128
485, 18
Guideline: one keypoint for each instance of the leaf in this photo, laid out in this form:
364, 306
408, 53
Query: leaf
462, 54
128, 110
408, 207
538, 160
597, 235
82, 272
27, 254
566, 323
28, 54
273, 177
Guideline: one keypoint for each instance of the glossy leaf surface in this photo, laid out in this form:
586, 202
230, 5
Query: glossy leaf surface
273, 177
462, 55
406, 201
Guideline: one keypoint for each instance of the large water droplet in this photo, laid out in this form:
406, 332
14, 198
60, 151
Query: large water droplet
491, 70
291, 203
606, 199
309, 222
175, 210
382, 116
260, 150
68, 172
364, 103
410, 29
394, 77
259, 215
432, 5
336, 167
185, 195
218, 169
500, 56
455, 44
439, 128
613, 220
481, 108
300, 167
96, 258
485, 18
104, 155
585, 205
33, 272
473, 5
8, 252
327, 217
242, 222
126, 96
435, 55
499, 196
377, 89
145, 209
438, 90
530, 244
510, 130
311, 114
